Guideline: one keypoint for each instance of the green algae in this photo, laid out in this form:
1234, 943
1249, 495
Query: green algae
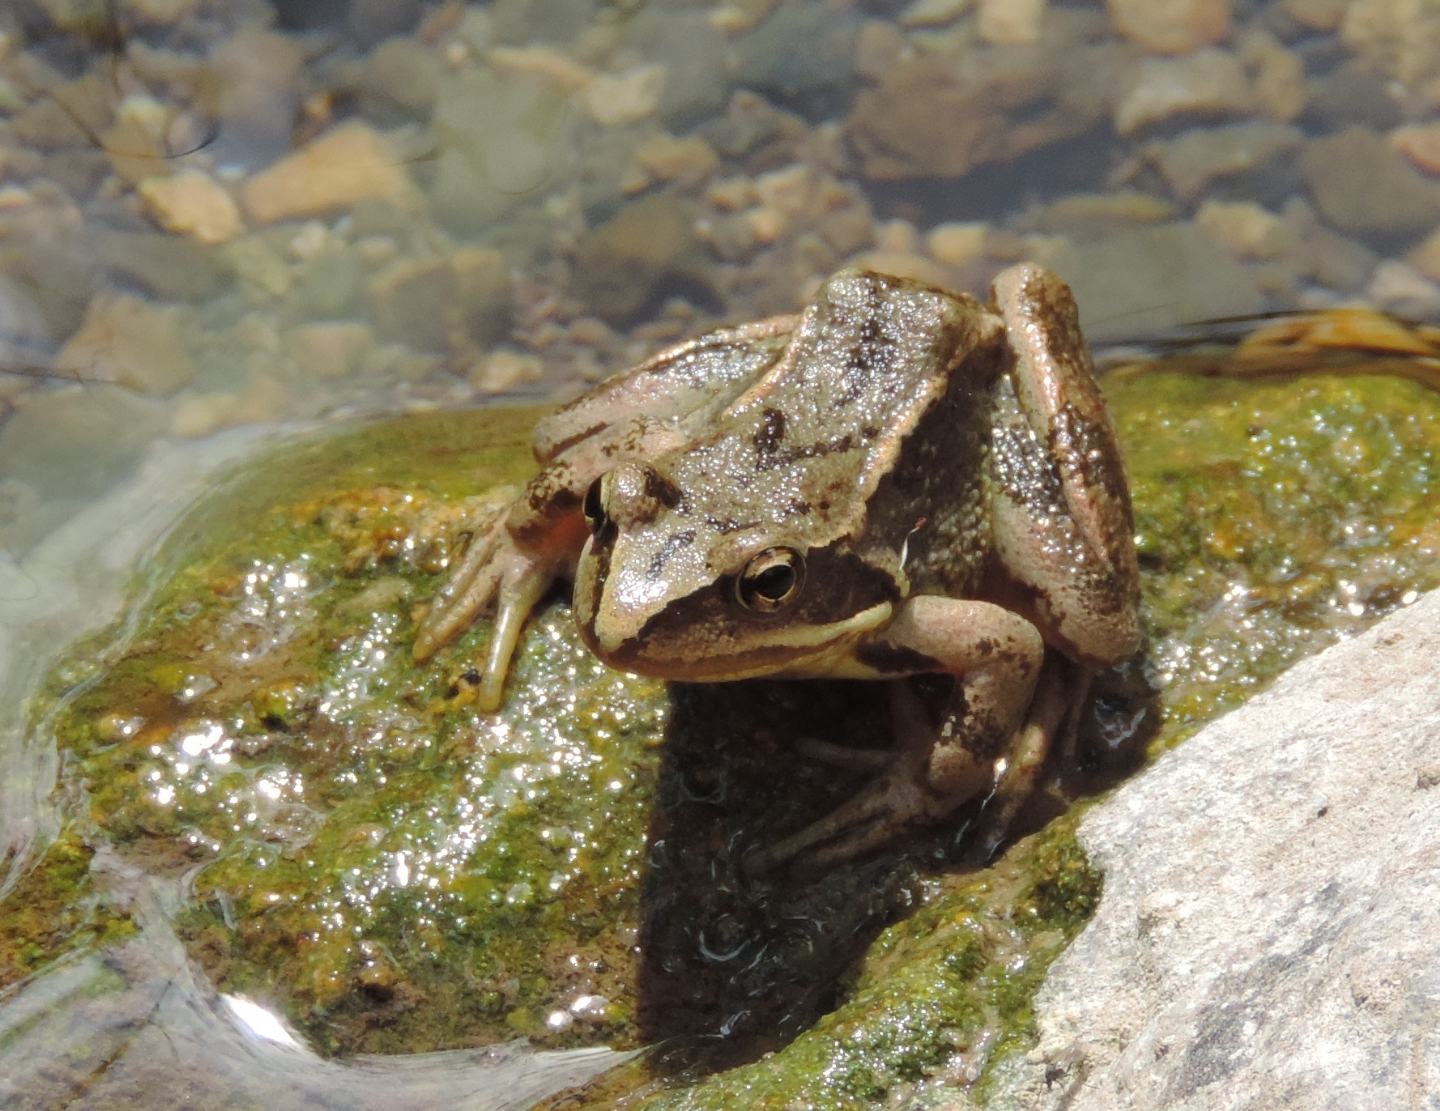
52, 911
1273, 518
398, 872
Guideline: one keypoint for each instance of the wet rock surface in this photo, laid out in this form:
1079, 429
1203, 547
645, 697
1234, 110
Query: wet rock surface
343, 839
1268, 935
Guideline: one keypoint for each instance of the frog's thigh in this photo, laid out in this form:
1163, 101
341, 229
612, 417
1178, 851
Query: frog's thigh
995, 655
1083, 598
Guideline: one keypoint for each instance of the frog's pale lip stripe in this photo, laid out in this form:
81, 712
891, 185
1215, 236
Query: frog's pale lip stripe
795, 647
817, 636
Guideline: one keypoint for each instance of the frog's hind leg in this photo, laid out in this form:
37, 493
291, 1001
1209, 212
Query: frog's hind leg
995, 657
1060, 696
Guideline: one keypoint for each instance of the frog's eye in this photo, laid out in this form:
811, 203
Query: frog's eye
771, 580
594, 508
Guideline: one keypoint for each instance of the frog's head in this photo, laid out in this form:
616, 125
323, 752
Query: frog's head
675, 583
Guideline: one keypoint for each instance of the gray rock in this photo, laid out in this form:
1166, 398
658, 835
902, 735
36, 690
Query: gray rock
493, 160
76, 441
696, 82
1352, 93
802, 55
934, 116
1237, 154
531, 21
648, 249
1145, 279
372, 21
1361, 184
169, 267
1269, 936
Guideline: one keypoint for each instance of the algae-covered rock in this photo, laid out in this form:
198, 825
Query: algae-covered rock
396, 872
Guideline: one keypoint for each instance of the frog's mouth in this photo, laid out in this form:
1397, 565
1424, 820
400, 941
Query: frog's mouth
721, 652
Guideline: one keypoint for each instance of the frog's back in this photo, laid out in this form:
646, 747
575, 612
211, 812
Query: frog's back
809, 444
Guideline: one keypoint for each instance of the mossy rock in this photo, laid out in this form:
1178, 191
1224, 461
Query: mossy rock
397, 872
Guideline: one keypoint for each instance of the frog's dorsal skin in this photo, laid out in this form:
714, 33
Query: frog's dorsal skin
899, 481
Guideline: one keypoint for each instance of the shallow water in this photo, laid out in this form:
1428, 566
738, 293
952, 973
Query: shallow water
511, 199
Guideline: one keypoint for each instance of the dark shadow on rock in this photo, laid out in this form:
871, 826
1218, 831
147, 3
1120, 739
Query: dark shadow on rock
733, 966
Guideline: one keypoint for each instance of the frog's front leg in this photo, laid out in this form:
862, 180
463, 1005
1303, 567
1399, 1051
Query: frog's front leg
516, 554
996, 658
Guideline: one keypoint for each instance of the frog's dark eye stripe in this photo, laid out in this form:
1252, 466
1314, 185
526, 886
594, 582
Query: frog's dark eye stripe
771, 580
594, 508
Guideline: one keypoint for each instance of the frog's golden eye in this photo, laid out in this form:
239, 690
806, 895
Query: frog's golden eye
594, 508
771, 580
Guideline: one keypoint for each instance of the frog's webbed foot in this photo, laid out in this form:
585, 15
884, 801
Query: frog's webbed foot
493, 568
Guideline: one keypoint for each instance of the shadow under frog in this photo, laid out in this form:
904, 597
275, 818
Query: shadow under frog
732, 966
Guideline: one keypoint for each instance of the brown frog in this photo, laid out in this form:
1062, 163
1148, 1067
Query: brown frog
897, 481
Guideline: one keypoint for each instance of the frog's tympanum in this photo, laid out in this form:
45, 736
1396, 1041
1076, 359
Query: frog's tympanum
898, 481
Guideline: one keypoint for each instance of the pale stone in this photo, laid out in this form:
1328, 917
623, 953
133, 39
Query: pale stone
625, 97
1245, 229
1361, 184
408, 302
505, 370
897, 236
1089, 215
928, 117
164, 12
1425, 256
338, 169
1318, 15
1400, 38
260, 265
329, 349
1011, 22
197, 415
903, 264
933, 13
956, 244
136, 143
1420, 143
1201, 156
1268, 936
879, 47
129, 341
791, 190
1402, 289
194, 204
687, 162
739, 17
254, 76
732, 194
1278, 76
1171, 26
1209, 82
553, 65
766, 224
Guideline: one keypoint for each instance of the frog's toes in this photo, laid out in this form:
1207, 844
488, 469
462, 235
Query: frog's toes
467, 592
870, 820
845, 757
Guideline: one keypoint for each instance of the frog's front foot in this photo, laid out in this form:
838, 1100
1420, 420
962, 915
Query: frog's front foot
494, 568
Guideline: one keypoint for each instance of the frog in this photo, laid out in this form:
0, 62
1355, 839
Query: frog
897, 482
